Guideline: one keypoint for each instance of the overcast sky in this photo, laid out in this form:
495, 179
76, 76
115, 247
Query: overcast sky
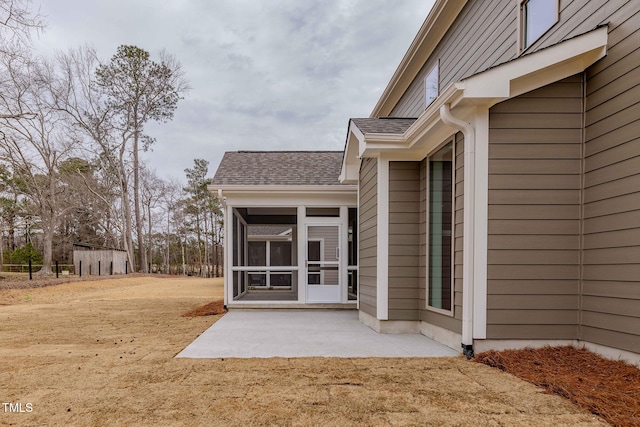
265, 75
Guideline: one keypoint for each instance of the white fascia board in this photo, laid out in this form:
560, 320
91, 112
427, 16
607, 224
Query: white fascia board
537, 69
349, 173
265, 199
286, 189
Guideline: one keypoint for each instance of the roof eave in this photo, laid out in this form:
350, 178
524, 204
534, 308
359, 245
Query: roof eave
435, 26
486, 89
281, 189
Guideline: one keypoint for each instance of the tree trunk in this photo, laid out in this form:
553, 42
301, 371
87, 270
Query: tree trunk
136, 204
199, 233
47, 239
48, 218
149, 243
206, 244
167, 259
126, 211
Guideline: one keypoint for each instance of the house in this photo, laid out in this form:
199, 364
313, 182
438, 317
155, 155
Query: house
498, 180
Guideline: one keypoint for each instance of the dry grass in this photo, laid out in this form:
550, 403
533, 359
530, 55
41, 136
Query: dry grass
102, 353
608, 388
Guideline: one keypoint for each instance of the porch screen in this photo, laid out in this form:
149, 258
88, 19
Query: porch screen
440, 227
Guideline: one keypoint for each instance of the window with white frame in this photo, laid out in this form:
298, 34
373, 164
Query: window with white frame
432, 85
536, 17
440, 229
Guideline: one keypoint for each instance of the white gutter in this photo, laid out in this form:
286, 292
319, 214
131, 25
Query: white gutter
468, 254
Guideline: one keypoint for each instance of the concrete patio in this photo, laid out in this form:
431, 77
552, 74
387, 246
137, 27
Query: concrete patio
305, 333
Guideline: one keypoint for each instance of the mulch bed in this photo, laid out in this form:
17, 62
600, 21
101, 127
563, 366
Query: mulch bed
210, 309
607, 388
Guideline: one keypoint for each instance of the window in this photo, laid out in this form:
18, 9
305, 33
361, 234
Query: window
440, 238
536, 17
431, 85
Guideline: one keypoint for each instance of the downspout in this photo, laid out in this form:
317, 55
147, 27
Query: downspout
468, 254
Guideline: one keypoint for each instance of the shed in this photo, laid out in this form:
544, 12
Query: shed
89, 260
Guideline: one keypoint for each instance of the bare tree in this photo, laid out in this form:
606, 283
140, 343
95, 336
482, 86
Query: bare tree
17, 23
139, 90
76, 96
171, 195
151, 194
34, 147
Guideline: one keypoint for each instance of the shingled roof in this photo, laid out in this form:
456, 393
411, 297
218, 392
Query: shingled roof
279, 168
392, 125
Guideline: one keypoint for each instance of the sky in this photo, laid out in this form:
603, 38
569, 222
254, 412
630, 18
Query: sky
264, 74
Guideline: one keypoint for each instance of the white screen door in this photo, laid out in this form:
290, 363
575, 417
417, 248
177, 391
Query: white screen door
323, 263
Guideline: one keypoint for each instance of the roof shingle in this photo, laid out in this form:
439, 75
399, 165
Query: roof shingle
279, 168
392, 125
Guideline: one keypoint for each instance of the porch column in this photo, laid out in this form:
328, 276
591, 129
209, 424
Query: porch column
344, 254
481, 204
228, 254
302, 255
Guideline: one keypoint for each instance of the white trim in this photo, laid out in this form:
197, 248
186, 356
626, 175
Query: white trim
266, 199
382, 240
302, 253
537, 69
324, 293
227, 254
468, 251
284, 189
344, 254
264, 268
359, 231
481, 222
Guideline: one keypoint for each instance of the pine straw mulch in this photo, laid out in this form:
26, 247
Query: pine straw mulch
210, 309
607, 388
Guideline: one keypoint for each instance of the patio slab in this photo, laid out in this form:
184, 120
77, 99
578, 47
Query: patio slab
305, 333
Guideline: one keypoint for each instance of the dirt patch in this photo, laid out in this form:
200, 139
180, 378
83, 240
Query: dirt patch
211, 309
608, 388
102, 353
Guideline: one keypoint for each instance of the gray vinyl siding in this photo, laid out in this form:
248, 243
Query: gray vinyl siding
452, 323
535, 157
611, 254
404, 245
368, 233
485, 35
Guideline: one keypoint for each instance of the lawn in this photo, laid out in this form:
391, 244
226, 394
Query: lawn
102, 353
